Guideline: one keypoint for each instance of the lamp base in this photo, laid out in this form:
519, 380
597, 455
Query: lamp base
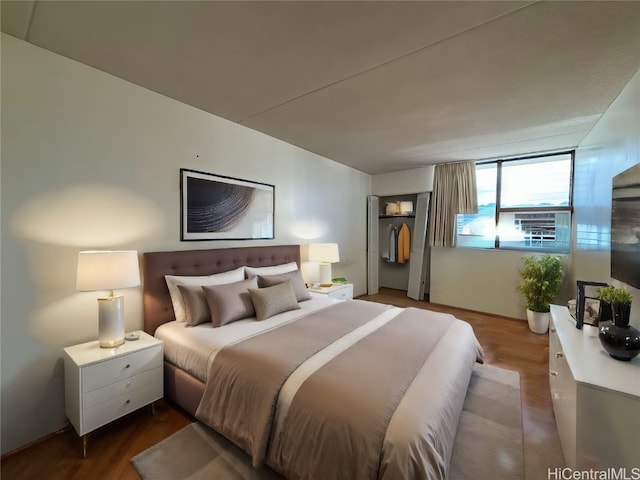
110, 343
325, 275
111, 321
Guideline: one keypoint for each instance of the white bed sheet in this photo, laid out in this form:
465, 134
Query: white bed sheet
193, 348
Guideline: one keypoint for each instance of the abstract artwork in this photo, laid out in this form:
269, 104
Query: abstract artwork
215, 207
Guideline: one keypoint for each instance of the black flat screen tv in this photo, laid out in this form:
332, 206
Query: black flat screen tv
625, 227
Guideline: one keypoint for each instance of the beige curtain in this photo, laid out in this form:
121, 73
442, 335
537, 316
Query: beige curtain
454, 191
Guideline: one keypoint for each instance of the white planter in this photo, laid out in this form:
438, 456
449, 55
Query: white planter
538, 321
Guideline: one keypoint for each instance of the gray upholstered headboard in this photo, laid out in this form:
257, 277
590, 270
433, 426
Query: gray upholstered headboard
155, 265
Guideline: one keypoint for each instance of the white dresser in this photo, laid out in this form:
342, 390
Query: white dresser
342, 291
596, 399
102, 384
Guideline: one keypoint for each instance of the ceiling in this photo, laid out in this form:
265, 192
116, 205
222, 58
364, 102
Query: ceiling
379, 86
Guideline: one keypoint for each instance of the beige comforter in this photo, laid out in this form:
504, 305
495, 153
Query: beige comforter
382, 398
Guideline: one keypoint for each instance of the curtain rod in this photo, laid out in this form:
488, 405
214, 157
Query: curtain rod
526, 156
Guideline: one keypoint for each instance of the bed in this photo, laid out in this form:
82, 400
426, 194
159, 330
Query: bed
321, 389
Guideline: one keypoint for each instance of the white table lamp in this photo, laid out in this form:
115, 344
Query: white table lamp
108, 270
326, 254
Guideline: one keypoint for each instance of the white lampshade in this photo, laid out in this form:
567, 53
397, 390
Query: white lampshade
108, 270
326, 254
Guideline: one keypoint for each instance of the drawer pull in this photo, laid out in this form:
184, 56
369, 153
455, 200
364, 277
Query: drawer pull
559, 355
553, 373
127, 366
127, 402
553, 329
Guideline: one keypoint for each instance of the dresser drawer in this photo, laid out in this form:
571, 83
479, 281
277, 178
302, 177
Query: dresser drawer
105, 412
560, 378
563, 395
110, 371
116, 389
556, 355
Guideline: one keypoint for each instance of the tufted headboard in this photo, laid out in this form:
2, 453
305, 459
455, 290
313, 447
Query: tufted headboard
155, 265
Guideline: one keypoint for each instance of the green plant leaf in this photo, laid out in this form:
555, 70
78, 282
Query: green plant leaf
541, 281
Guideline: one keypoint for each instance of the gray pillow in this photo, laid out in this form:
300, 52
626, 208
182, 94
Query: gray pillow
216, 279
270, 301
230, 302
297, 282
196, 310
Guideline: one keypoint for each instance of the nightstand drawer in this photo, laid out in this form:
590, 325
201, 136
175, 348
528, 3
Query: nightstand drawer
108, 411
345, 293
104, 373
113, 390
340, 291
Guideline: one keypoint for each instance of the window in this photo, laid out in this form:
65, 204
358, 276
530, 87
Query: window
523, 203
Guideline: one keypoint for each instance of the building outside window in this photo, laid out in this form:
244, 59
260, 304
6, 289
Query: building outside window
523, 203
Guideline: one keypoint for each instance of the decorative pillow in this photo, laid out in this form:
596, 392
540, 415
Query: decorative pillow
270, 301
230, 302
273, 270
295, 277
216, 279
196, 310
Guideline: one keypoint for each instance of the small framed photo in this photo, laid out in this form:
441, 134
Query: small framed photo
591, 311
215, 207
588, 303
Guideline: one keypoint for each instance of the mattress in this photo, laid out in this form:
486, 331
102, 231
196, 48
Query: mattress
193, 349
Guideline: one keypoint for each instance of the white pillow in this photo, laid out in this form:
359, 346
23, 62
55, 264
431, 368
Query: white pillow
204, 280
273, 270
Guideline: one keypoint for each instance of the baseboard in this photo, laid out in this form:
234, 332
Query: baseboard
35, 442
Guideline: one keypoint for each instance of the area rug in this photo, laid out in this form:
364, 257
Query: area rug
488, 443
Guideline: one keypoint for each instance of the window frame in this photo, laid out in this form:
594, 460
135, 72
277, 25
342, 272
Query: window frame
499, 209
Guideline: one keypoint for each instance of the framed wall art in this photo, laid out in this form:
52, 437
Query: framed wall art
215, 207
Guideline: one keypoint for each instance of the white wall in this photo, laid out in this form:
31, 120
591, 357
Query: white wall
417, 180
92, 161
610, 148
485, 280
480, 280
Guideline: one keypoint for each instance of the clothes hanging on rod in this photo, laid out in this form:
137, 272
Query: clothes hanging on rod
399, 243
393, 243
404, 243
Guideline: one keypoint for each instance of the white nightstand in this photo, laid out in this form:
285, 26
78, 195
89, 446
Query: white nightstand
103, 384
342, 291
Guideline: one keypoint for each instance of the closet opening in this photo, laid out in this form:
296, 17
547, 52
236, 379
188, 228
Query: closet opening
398, 257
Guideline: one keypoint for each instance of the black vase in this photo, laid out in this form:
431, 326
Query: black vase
620, 340
620, 314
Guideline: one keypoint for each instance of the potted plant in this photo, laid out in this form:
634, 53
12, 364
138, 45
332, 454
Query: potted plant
541, 283
620, 301
620, 340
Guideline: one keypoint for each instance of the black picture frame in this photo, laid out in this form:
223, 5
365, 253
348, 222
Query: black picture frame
587, 303
217, 207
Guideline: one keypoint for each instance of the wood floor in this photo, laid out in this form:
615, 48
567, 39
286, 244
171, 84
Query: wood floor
507, 343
